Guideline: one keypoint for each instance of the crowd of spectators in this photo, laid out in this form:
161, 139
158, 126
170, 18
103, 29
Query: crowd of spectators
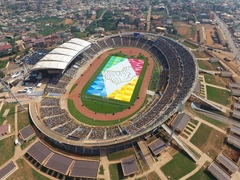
113, 132
51, 111
80, 133
97, 133
67, 128
102, 44
118, 41
181, 78
56, 120
110, 42
49, 101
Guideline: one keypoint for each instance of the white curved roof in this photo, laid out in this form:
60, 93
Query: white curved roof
62, 56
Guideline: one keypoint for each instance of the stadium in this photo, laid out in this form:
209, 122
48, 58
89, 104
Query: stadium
112, 71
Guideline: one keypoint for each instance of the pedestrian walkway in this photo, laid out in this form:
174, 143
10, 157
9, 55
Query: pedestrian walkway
205, 122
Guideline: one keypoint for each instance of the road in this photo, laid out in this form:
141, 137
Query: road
100, 18
232, 45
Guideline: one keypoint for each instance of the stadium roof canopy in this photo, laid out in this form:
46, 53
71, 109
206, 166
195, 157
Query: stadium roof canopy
62, 56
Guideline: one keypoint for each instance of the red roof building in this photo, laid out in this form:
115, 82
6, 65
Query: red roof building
5, 48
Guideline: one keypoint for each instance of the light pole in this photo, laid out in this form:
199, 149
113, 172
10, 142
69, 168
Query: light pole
9, 90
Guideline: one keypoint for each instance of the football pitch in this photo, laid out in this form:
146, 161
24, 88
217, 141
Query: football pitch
115, 85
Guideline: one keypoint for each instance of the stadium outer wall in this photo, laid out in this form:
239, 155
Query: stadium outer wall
62, 141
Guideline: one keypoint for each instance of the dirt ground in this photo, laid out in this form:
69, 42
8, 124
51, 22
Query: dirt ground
200, 54
214, 144
191, 32
231, 152
186, 31
210, 32
68, 21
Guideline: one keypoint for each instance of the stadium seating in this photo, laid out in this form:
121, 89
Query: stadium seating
177, 76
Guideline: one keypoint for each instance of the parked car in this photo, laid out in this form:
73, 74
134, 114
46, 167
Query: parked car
226, 59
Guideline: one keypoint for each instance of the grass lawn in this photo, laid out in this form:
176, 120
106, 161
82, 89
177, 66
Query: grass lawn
189, 129
99, 13
151, 176
192, 126
116, 171
171, 36
194, 121
23, 118
205, 65
210, 79
26, 144
192, 46
187, 132
161, 13
101, 170
26, 172
11, 115
201, 135
215, 65
7, 149
179, 166
211, 120
75, 113
214, 94
202, 174
107, 105
121, 154
72, 88
3, 64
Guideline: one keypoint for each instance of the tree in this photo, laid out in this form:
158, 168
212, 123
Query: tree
59, 2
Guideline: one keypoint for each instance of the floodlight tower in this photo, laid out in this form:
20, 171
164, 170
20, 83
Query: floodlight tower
9, 90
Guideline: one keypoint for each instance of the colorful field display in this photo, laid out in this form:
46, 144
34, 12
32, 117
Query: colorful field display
117, 79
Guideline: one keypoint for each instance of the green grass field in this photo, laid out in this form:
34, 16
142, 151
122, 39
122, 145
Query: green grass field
192, 46
106, 105
11, 115
202, 174
214, 94
3, 64
121, 154
201, 135
116, 172
204, 65
72, 88
23, 118
101, 170
179, 166
26, 172
7, 149
75, 113
99, 13
151, 176
210, 79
